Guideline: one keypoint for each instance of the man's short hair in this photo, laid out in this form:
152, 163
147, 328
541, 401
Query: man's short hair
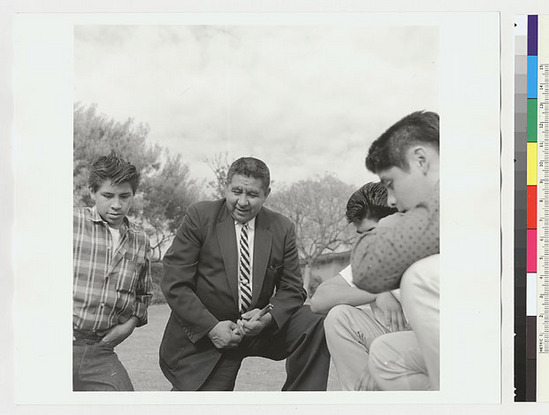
370, 201
115, 169
390, 149
250, 167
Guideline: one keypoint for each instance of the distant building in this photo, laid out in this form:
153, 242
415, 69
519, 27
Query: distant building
326, 266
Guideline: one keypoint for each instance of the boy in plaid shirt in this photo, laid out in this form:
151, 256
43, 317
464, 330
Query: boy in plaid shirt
112, 284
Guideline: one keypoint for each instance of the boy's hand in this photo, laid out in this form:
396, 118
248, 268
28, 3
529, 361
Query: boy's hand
120, 332
391, 310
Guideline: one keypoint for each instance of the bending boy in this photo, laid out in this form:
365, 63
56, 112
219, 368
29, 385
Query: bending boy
406, 159
350, 329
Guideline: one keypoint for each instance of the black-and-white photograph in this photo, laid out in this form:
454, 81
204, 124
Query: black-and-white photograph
256, 208
245, 207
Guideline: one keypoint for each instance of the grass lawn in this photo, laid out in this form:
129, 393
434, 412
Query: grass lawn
139, 354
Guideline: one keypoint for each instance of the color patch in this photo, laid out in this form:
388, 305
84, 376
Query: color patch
532, 210
532, 76
531, 250
531, 164
532, 34
531, 301
532, 120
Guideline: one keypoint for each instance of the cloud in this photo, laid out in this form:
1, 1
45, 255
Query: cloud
306, 99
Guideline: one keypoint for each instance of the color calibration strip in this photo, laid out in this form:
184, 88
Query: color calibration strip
523, 372
531, 209
531, 205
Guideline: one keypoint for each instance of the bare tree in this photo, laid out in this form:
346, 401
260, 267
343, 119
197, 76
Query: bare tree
169, 193
317, 208
219, 164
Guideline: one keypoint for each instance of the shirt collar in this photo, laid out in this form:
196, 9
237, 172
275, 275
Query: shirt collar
251, 223
96, 217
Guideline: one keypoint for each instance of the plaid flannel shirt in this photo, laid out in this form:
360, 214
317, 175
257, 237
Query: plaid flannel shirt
111, 284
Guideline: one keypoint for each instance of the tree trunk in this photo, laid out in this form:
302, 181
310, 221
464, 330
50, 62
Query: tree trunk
307, 277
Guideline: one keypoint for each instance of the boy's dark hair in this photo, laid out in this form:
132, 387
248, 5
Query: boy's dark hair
250, 167
370, 201
390, 149
115, 169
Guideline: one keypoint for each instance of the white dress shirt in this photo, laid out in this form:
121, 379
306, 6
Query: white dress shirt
251, 234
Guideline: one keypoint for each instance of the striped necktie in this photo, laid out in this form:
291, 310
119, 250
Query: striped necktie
244, 271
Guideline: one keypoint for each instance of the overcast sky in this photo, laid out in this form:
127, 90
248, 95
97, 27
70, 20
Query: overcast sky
305, 99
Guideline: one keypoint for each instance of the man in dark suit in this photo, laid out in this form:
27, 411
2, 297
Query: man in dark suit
229, 259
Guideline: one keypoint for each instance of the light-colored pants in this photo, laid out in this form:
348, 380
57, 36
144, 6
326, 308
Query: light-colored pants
397, 364
349, 333
410, 360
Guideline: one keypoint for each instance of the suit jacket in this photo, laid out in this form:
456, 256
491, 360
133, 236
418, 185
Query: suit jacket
200, 283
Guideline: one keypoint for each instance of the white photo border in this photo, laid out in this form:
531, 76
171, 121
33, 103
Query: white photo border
470, 197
